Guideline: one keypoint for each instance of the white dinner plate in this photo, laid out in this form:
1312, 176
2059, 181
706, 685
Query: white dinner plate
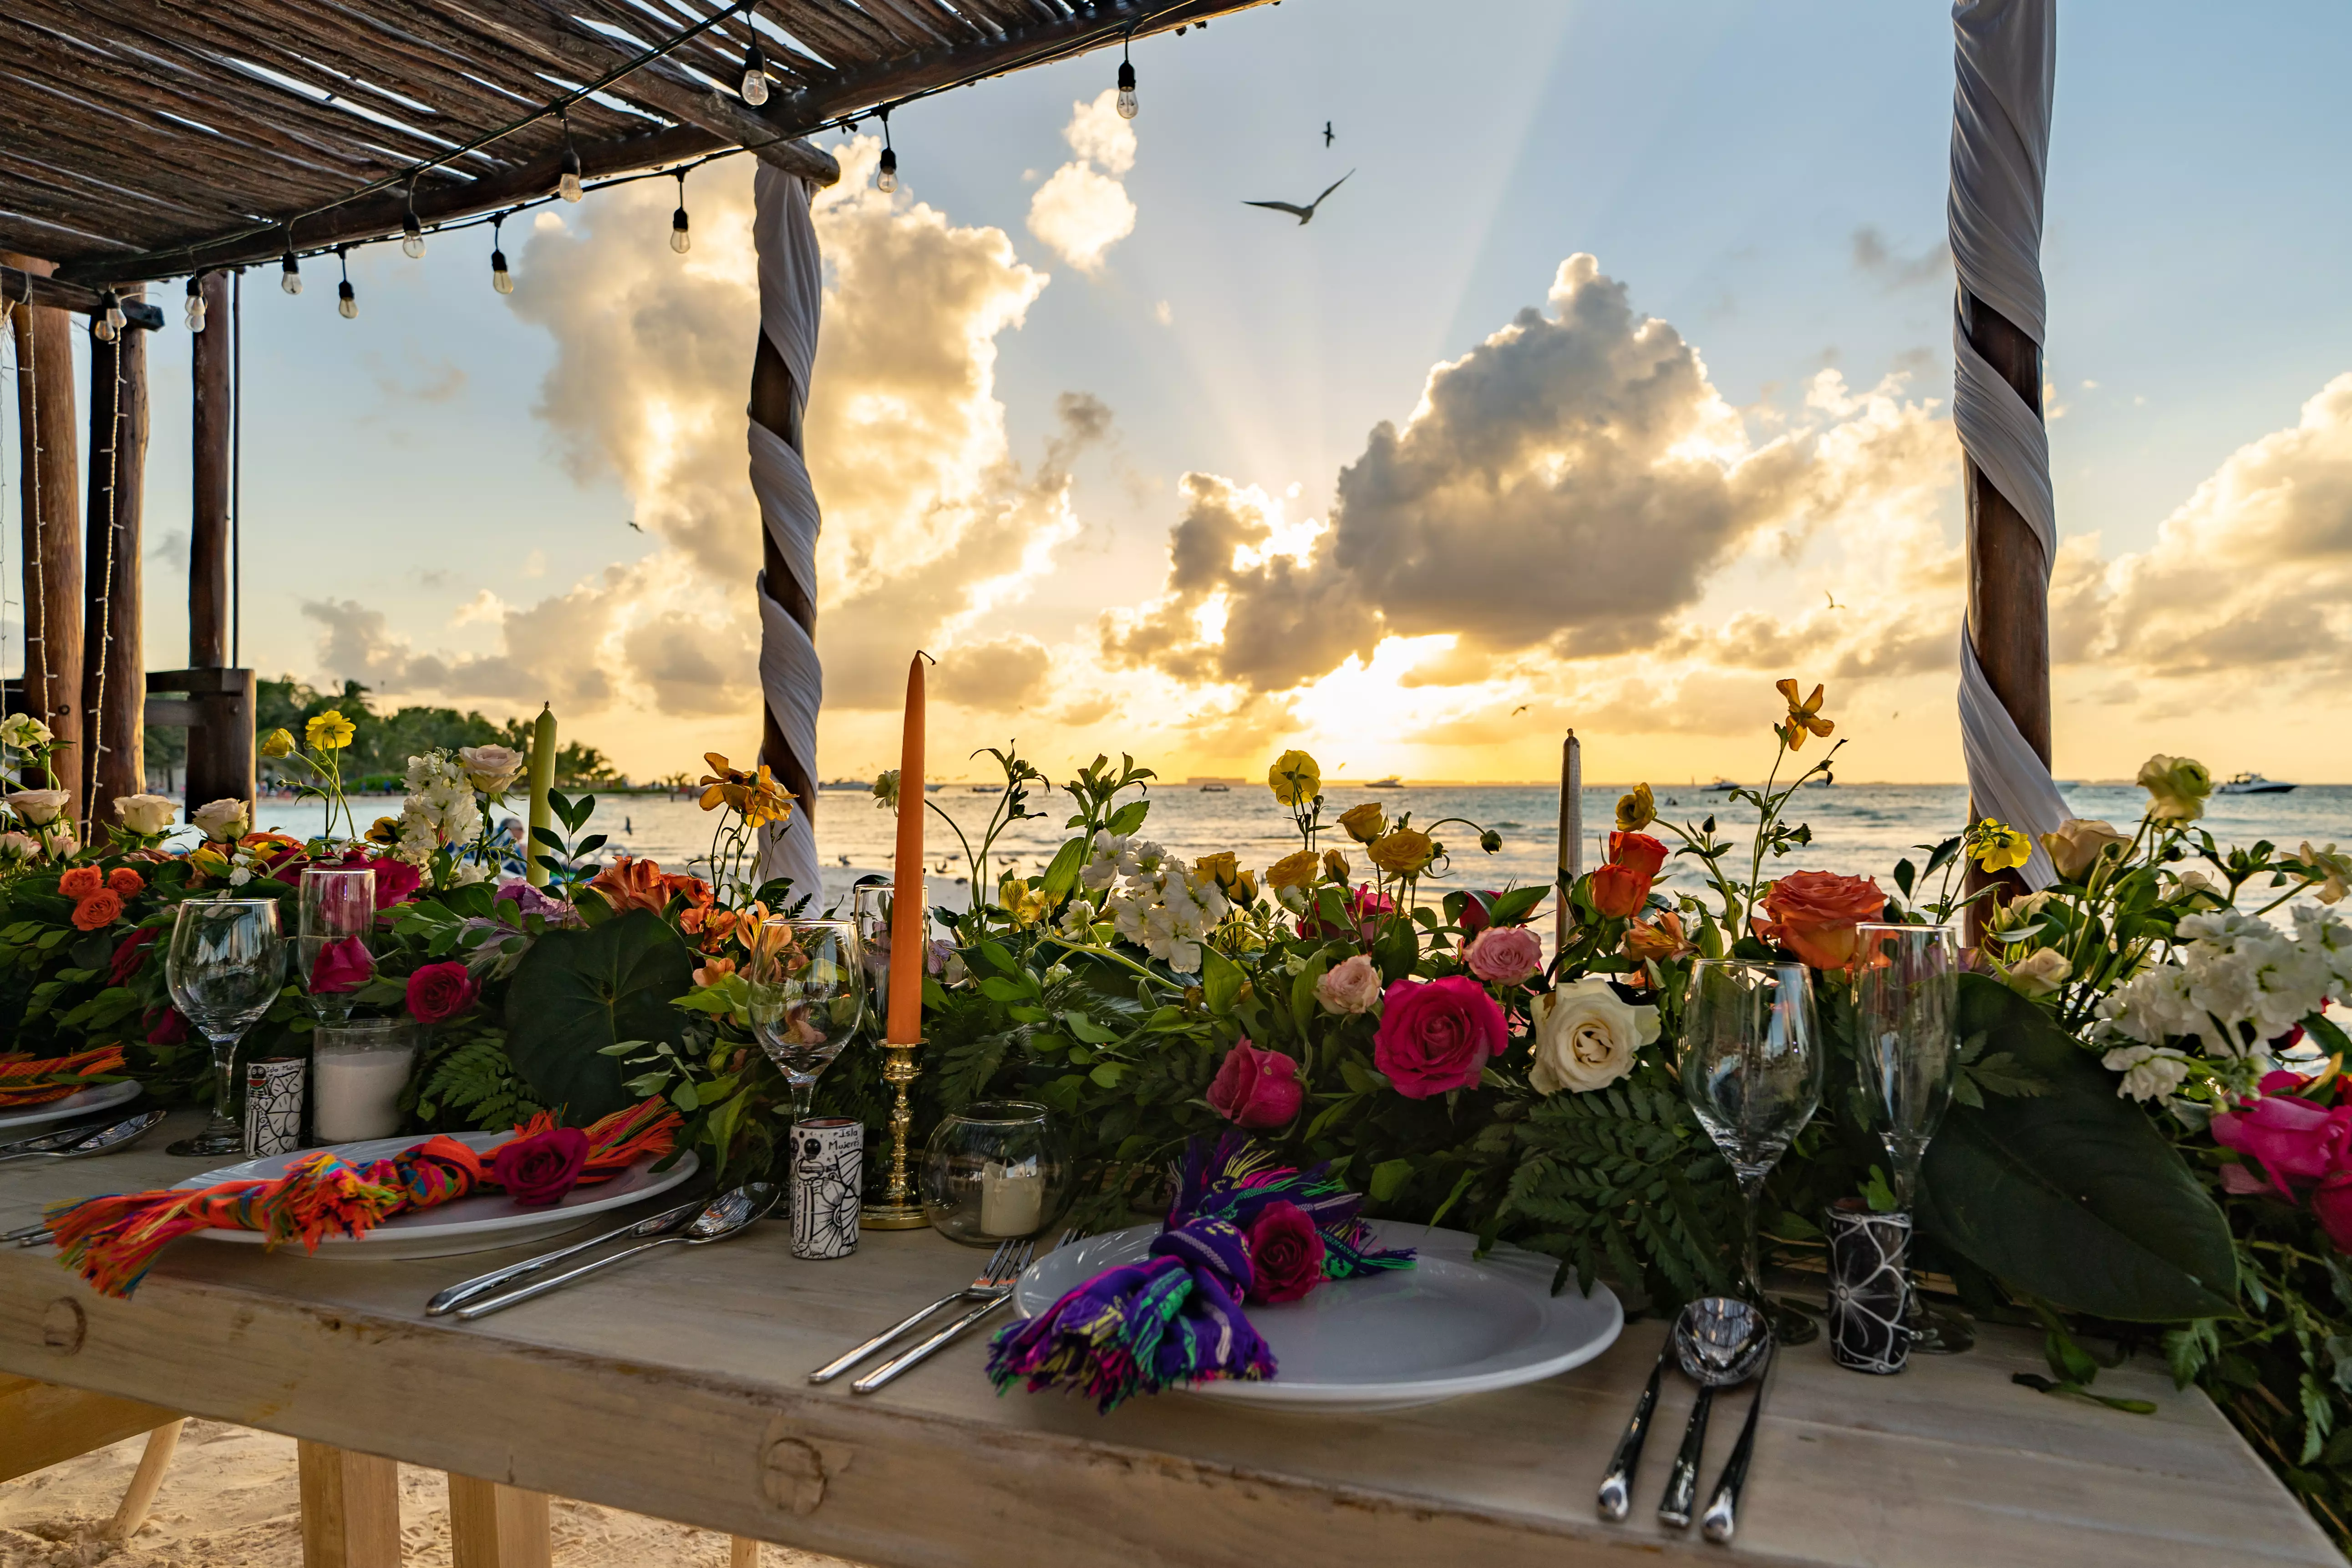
483, 1222
80, 1102
1451, 1325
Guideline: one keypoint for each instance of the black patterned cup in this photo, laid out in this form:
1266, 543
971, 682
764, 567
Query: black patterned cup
828, 1153
273, 1104
1866, 1287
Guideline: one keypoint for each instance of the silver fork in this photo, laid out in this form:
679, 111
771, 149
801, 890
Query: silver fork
998, 1296
992, 1281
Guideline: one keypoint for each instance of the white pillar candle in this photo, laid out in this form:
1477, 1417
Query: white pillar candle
355, 1094
1012, 1197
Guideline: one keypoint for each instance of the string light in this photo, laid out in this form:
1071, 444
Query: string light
886, 174
290, 271
501, 279
754, 85
106, 323
347, 303
411, 233
567, 184
1127, 106
195, 302
681, 240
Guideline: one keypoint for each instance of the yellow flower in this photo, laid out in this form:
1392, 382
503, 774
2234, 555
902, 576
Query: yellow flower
1364, 823
1636, 810
1295, 778
1804, 717
756, 795
383, 830
2334, 870
1403, 853
886, 790
1294, 870
1998, 847
1221, 869
1335, 866
277, 743
328, 731
1244, 888
2176, 787
1027, 904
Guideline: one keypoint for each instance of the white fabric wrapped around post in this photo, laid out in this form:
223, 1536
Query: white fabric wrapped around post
2005, 61
791, 680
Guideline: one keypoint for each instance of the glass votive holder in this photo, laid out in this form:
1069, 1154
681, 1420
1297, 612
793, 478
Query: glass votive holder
357, 1072
995, 1170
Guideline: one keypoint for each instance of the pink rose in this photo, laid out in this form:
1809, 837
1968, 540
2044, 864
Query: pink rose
1505, 955
539, 1170
170, 1030
1436, 1035
1255, 1088
1351, 986
1285, 1254
341, 965
2331, 1203
2293, 1139
396, 880
439, 991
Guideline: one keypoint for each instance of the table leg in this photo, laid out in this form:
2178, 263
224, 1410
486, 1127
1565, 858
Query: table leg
743, 1552
156, 1459
350, 1507
495, 1526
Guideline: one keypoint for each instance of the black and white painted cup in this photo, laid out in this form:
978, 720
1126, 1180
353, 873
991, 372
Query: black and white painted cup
1867, 1288
827, 1156
273, 1104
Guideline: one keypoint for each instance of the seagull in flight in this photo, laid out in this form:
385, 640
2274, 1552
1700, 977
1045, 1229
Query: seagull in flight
635, 524
1329, 134
1833, 599
1305, 215
1519, 710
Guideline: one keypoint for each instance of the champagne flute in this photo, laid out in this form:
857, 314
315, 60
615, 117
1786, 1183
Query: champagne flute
808, 997
338, 916
225, 963
1751, 1070
869, 911
1906, 996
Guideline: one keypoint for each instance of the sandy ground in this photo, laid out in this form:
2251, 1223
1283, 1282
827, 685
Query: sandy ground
230, 1501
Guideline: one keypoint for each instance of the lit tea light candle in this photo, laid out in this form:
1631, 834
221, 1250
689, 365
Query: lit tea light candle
1012, 1197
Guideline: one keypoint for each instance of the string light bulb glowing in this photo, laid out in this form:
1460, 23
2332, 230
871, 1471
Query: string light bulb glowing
567, 184
290, 271
412, 237
114, 316
754, 86
1128, 105
347, 302
885, 172
106, 322
501, 279
196, 318
681, 239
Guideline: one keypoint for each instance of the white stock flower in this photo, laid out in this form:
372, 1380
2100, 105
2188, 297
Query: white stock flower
1162, 906
2233, 976
1587, 1037
1110, 859
2150, 1072
439, 809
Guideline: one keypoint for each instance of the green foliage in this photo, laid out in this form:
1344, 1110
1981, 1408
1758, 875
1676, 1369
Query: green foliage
470, 1081
579, 992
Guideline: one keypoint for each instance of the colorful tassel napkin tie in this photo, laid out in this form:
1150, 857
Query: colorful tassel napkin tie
26, 1079
112, 1241
1242, 1228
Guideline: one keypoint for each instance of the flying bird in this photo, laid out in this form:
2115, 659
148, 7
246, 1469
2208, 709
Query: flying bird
1329, 134
634, 523
1519, 710
1833, 599
1305, 215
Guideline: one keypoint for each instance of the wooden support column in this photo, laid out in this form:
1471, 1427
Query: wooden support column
350, 1507
496, 1526
114, 672
209, 427
776, 405
52, 543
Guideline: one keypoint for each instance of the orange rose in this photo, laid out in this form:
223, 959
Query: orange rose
81, 882
98, 910
1618, 891
125, 882
1637, 850
1813, 913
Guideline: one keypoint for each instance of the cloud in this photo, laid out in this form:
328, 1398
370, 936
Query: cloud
1873, 257
1082, 209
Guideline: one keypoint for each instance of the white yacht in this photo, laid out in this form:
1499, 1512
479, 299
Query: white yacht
2252, 783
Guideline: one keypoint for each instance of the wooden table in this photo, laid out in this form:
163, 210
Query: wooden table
677, 1388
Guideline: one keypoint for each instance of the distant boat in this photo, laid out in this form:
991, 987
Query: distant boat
846, 783
1392, 782
988, 789
2252, 783
1722, 784
1216, 789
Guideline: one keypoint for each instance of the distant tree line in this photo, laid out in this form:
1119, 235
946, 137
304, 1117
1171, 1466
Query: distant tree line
377, 759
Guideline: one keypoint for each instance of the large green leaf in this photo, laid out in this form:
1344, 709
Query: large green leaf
577, 991
2073, 1195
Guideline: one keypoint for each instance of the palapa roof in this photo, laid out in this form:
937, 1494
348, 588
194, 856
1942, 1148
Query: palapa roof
149, 139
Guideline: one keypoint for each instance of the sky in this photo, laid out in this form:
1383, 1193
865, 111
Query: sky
1611, 385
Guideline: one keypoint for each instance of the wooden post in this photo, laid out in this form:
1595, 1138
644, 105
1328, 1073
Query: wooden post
495, 1526
350, 1507
155, 1460
774, 405
114, 672
208, 524
2009, 591
52, 548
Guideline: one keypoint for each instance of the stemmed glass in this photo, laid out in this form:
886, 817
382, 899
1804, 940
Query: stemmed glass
808, 997
1751, 1069
338, 916
225, 963
869, 911
1906, 996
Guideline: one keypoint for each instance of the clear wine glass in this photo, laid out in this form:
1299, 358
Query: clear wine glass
808, 997
1751, 1069
225, 966
869, 911
1906, 997
338, 917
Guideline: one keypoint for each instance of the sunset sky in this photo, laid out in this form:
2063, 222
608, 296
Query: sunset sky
1612, 385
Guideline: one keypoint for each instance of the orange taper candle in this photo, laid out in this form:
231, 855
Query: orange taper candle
907, 886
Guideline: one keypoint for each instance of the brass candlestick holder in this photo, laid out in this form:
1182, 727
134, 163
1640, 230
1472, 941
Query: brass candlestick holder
899, 1210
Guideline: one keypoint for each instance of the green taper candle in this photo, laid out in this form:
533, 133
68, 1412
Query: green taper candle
543, 779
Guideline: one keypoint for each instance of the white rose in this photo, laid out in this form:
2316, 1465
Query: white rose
222, 820
2039, 972
1586, 1036
38, 805
1352, 985
2078, 842
145, 814
17, 846
492, 769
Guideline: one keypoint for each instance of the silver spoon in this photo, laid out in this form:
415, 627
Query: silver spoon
727, 1214
88, 1141
1719, 1341
465, 1290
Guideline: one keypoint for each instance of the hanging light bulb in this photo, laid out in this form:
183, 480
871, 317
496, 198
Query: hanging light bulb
347, 303
195, 303
567, 184
290, 271
106, 322
411, 236
755, 64
1127, 106
680, 240
501, 279
114, 316
885, 172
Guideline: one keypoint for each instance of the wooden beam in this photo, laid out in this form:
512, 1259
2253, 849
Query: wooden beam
209, 428
42, 1424
52, 543
21, 282
114, 678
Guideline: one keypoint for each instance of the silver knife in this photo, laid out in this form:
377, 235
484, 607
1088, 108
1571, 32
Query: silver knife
465, 1290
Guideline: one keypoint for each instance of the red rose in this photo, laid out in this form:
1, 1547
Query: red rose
396, 880
1255, 1088
439, 991
172, 1030
539, 1170
1436, 1035
98, 910
1285, 1254
1366, 906
130, 956
341, 965
1618, 891
1477, 913
1638, 850
1813, 913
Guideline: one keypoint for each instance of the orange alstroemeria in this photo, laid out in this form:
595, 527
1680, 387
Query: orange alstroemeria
1804, 717
629, 883
713, 971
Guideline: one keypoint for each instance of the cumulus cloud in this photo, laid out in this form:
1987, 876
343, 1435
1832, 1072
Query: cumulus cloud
1874, 258
1083, 208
